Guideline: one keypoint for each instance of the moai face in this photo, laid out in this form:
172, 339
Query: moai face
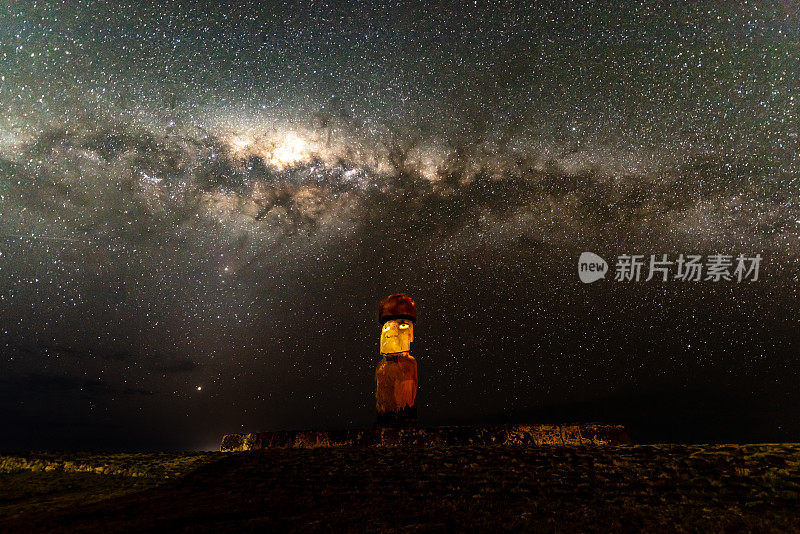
396, 336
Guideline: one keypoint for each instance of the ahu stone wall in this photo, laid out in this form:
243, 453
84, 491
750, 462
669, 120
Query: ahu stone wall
586, 434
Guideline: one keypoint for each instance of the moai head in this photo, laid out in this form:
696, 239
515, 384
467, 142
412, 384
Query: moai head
396, 336
397, 314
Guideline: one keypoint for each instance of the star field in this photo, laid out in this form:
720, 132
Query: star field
201, 205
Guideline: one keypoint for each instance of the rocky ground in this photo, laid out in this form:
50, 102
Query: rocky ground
550, 489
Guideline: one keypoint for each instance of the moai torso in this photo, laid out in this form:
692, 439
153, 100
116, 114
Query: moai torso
396, 385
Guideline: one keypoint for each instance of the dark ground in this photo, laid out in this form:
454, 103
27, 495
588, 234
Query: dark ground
710, 488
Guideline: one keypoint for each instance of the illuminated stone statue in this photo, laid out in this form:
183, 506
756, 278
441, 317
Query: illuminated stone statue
396, 375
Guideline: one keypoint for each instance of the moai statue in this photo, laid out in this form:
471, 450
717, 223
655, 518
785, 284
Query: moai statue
396, 375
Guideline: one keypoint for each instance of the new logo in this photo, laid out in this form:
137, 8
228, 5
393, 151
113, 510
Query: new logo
591, 267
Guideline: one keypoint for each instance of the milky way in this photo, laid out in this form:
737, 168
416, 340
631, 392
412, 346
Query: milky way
200, 207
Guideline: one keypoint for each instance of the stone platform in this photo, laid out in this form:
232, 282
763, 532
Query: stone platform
584, 434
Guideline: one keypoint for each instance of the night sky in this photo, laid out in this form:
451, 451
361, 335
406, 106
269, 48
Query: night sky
201, 205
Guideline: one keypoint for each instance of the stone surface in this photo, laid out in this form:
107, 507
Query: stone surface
396, 387
615, 488
587, 434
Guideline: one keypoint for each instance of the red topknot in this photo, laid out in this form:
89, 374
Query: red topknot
397, 306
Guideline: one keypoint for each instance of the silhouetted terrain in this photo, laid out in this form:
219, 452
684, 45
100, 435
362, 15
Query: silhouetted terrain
618, 488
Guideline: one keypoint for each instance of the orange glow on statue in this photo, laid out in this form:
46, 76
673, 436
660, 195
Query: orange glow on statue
396, 375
